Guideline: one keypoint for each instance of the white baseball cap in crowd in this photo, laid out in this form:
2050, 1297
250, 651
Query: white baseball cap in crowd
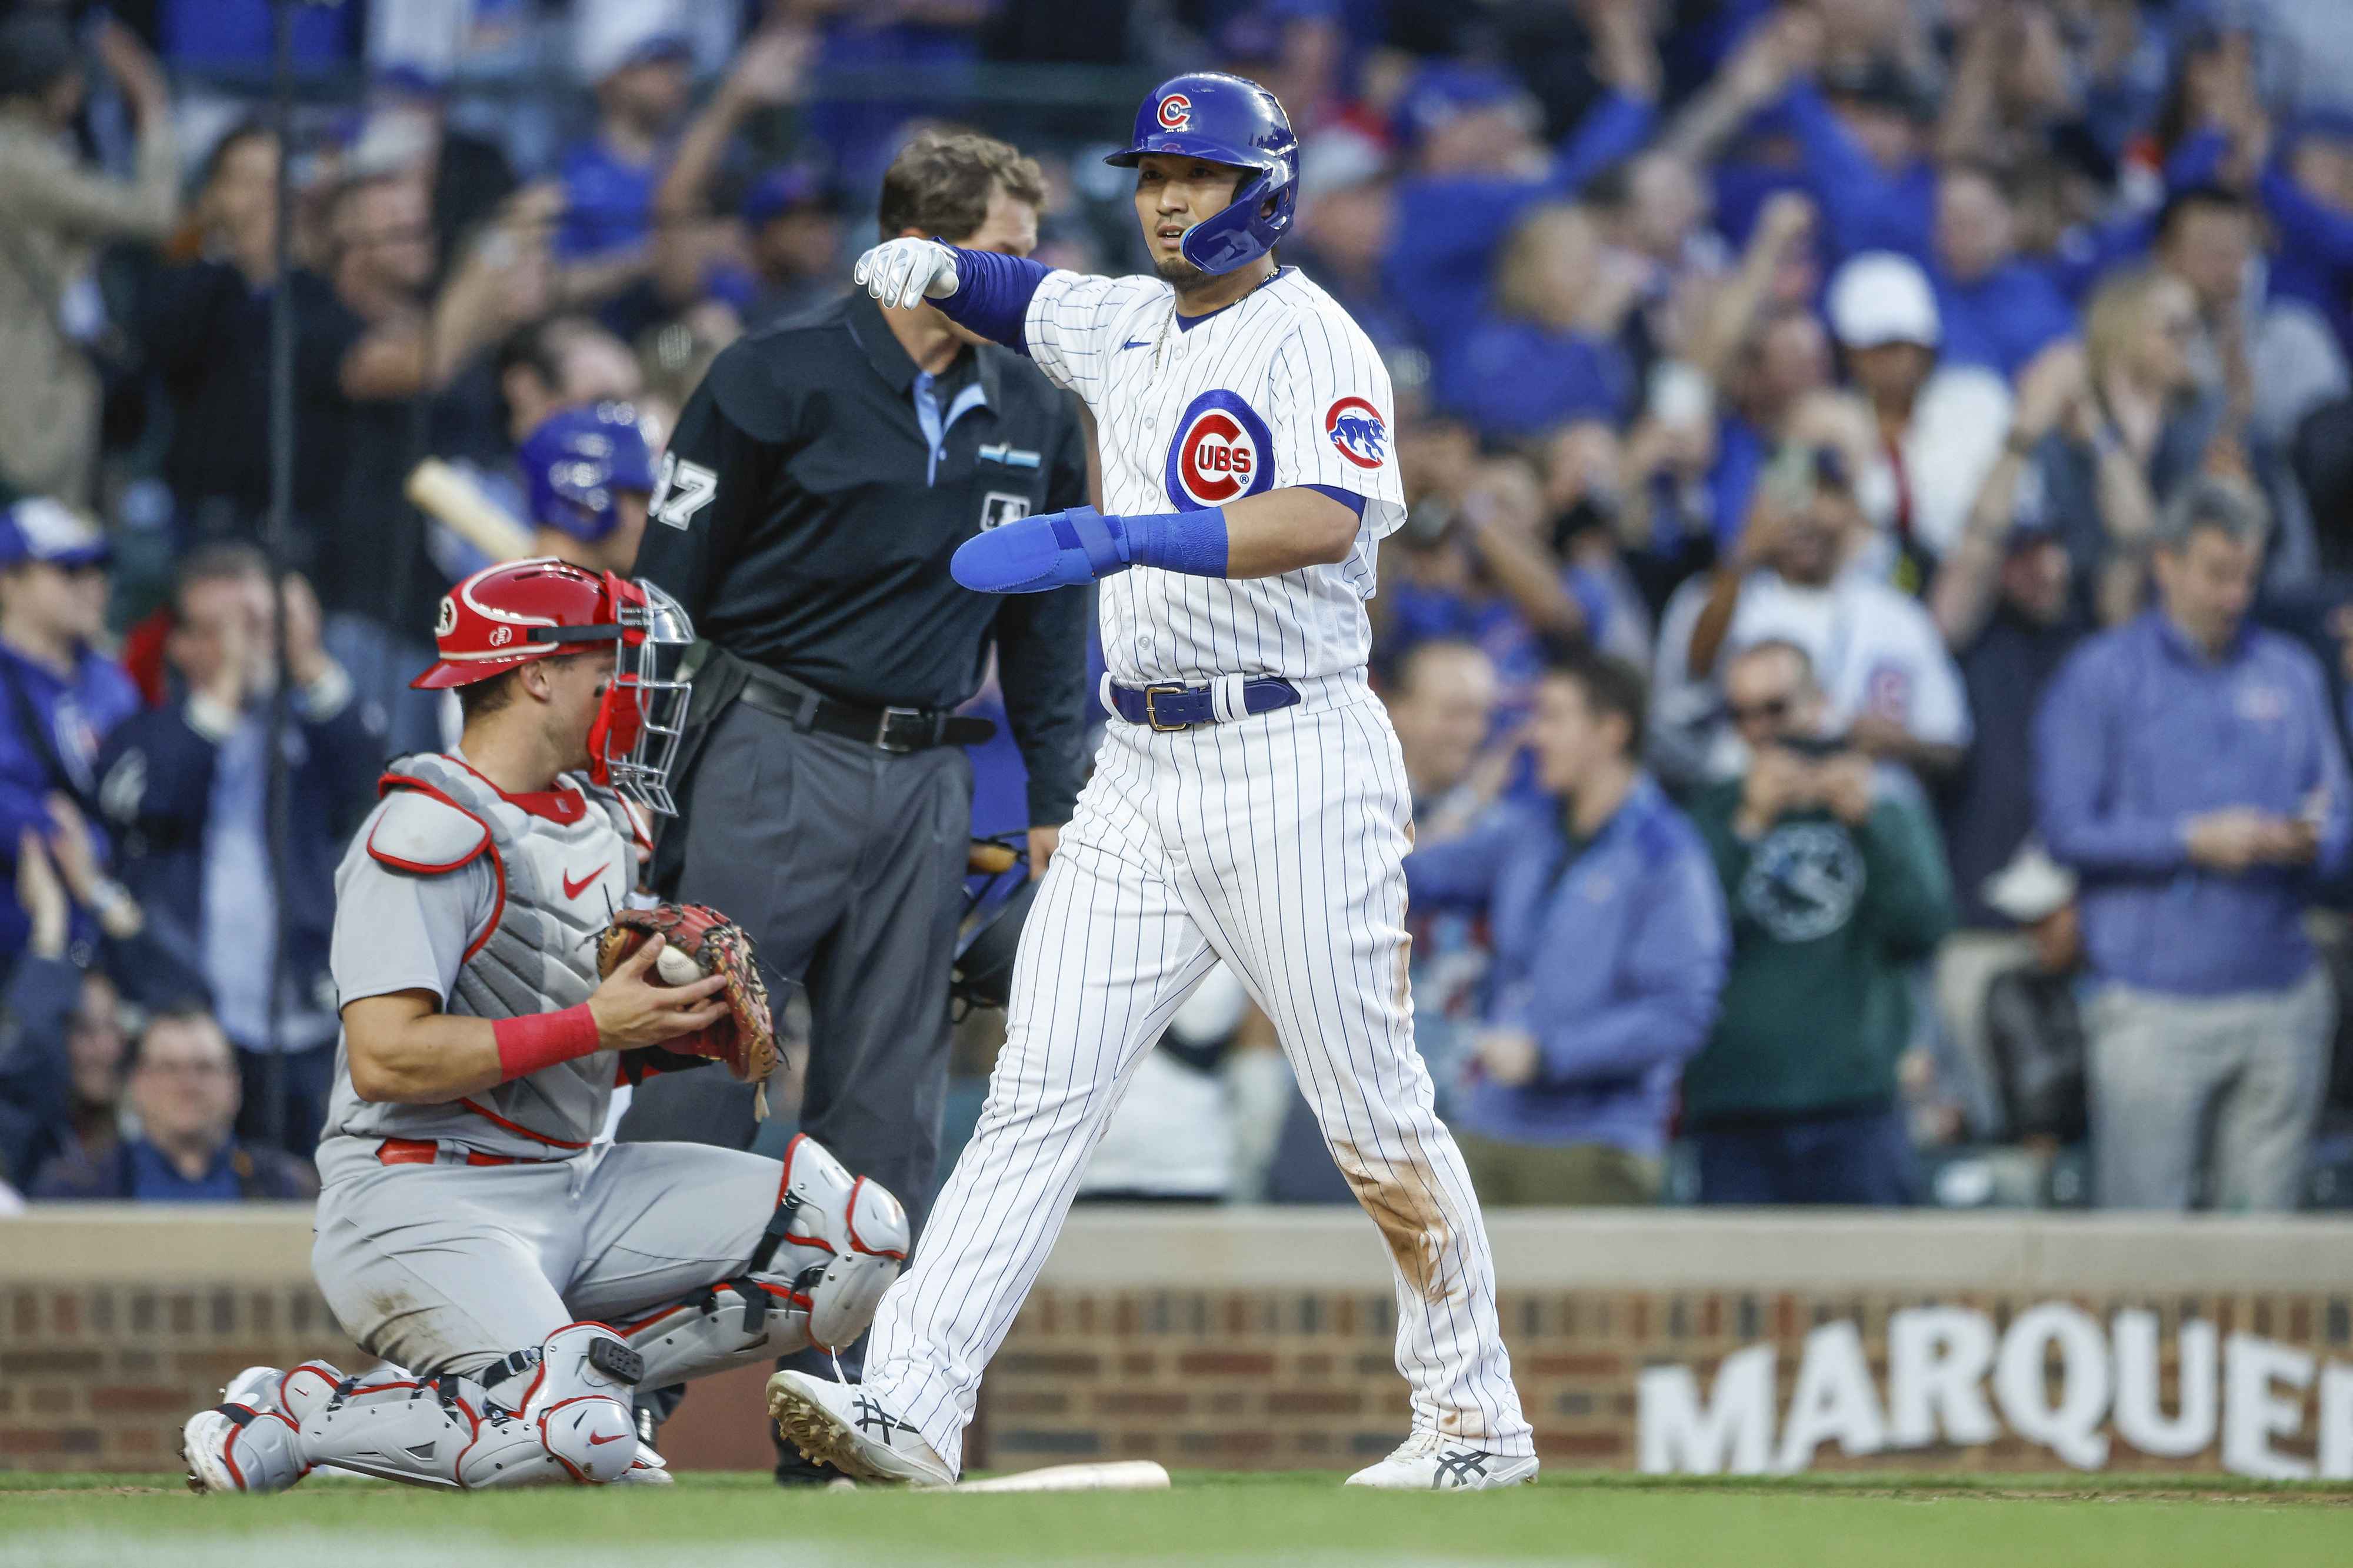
1880, 297
2032, 887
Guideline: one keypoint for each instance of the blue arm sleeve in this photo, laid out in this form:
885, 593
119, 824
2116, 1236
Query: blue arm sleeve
2304, 225
1841, 175
993, 293
1613, 128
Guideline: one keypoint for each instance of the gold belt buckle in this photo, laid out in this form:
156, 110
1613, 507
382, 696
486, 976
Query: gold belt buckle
1151, 709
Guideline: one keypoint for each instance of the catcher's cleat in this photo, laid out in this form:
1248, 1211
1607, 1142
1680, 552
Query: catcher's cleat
1427, 1462
842, 1424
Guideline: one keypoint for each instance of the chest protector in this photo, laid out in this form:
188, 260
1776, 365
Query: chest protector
563, 864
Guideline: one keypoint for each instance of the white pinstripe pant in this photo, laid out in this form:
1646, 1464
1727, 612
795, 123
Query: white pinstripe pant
1273, 844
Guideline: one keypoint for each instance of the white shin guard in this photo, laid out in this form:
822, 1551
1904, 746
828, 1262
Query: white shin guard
832, 1248
578, 1402
853, 1225
442, 1432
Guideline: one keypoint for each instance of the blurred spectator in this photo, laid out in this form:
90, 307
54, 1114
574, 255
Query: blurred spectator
205, 327
2188, 768
186, 789
2308, 196
59, 215
589, 476
420, 383
1441, 698
1887, 682
2034, 1024
184, 1090
1441, 702
1473, 562
640, 86
61, 1065
2102, 471
2004, 601
1547, 350
1477, 167
778, 254
559, 362
1994, 304
1343, 232
62, 696
1710, 419
1610, 945
1836, 888
1938, 424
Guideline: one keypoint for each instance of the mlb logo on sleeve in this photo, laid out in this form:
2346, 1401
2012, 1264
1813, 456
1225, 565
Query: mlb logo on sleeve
1221, 453
1357, 430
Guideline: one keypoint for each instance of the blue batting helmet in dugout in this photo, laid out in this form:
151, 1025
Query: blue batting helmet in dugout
575, 462
1225, 120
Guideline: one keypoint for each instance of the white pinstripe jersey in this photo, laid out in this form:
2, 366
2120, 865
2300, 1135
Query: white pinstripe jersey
1279, 389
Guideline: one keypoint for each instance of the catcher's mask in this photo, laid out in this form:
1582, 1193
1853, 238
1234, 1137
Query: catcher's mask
507, 616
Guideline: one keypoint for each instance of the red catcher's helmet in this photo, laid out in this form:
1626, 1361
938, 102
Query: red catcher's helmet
510, 613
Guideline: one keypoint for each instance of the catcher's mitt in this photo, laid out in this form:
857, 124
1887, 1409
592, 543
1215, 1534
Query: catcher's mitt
745, 1039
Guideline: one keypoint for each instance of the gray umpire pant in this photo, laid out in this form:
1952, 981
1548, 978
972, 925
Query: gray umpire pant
846, 864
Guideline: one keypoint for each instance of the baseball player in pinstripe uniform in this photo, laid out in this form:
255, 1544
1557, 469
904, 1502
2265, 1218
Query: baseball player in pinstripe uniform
1250, 805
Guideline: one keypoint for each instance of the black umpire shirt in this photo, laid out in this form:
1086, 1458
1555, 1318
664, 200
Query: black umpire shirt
799, 518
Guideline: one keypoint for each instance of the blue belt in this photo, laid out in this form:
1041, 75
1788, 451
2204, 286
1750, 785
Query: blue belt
1172, 707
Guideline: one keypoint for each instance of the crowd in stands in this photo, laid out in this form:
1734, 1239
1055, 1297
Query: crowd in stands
1871, 641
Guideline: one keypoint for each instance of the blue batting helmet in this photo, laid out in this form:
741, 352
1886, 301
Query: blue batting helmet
576, 460
1208, 114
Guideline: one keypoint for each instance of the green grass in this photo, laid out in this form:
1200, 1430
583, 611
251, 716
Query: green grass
722, 1521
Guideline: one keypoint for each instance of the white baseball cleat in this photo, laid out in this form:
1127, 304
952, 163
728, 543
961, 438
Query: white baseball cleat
842, 1424
1427, 1462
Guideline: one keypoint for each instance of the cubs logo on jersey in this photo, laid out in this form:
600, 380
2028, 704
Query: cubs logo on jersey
1176, 112
1357, 430
1221, 453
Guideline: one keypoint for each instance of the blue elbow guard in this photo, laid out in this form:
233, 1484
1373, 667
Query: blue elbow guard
1060, 549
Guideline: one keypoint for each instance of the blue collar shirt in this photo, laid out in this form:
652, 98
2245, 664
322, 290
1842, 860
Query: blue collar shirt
1613, 964
2140, 733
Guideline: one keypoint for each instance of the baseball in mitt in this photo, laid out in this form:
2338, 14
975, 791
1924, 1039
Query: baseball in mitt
699, 941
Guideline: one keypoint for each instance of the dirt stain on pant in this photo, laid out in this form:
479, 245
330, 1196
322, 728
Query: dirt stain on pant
1404, 1204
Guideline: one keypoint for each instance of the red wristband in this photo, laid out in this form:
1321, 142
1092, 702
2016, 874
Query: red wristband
543, 1039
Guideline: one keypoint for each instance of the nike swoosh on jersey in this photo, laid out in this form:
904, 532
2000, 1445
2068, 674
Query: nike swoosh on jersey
573, 889
1136, 343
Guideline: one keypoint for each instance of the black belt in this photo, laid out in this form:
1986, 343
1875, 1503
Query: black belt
1174, 707
884, 729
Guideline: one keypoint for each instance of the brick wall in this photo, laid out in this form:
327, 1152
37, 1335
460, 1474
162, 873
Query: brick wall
1236, 1339
99, 1377
1268, 1380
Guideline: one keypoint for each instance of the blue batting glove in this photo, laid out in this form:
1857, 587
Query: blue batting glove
1052, 550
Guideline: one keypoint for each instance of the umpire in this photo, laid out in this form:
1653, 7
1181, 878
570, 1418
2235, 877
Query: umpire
804, 515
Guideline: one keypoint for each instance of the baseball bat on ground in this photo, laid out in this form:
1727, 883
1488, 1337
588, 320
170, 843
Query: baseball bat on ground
1125, 1475
451, 495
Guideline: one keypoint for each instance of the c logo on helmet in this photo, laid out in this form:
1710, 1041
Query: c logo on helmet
1358, 432
448, 622
1176, 112
1221, 452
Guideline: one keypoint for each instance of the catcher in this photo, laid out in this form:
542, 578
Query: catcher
516, 1278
